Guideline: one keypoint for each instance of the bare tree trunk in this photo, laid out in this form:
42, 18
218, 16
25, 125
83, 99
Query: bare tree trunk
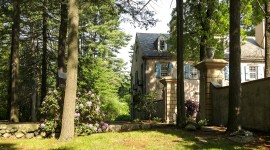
267, 40
234, 60
34, 94
67, 131
14, 64
44, 50
62, 42
180, 67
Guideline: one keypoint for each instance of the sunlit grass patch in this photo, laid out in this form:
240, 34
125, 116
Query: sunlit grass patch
160, 139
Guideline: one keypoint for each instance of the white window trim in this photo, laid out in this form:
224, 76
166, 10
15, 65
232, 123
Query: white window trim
160, 39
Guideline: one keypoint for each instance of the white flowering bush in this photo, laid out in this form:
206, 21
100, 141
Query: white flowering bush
88, 114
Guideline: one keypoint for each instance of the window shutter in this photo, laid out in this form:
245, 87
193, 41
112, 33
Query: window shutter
158, 69
260, 72
227, 72
187, 71
170, 69
247, 75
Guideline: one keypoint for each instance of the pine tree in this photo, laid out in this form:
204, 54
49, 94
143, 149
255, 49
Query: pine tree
67, 130
234, 60
14, 63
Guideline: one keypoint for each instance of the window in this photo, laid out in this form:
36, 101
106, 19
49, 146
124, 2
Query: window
164, 70
253, 72
191, 72
161, 44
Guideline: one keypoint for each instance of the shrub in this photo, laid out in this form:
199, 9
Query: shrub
146, 103
203, 122
191, 107
157, 119
123, 118
88, 115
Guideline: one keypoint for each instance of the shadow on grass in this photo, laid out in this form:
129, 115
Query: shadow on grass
200, 139
7, 146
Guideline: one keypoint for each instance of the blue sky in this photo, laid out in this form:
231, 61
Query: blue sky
163, 9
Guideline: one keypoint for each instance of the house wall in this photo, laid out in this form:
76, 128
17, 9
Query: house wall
152, 82
244, 72
137, 61
255, 105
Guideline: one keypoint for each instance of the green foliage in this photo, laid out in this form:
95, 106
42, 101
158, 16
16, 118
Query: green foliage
123, 118
206, 24
146, 103
136, 120
203, 122
98, 75
88, 114
157, 119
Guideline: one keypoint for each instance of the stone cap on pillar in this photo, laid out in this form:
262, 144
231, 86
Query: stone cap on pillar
211, 64
167, 79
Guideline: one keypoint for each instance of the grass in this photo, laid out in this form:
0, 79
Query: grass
160, 139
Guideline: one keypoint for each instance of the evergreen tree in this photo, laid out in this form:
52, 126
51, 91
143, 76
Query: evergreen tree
180, 67
67, 129
14, 63
235, 89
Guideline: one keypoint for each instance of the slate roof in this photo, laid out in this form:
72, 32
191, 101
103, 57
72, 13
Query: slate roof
146, 42
250, 51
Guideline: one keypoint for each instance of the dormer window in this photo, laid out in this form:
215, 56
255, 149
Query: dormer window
162, 45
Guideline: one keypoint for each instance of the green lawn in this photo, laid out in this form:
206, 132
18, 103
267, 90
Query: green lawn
155, 139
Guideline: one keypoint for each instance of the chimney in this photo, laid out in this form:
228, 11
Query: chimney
260, 33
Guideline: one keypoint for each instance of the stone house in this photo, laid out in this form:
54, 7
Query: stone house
154, 69
151, 62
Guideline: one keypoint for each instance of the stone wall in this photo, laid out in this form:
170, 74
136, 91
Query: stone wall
21, 130
255, 105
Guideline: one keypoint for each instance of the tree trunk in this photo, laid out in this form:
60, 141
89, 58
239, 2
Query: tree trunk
180, 66
34, 94
67, 131
62, 42
234, 61
14, 64
44, 52
267, 40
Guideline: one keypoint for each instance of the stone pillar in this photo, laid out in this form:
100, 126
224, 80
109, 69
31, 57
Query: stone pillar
170, 99
211, 70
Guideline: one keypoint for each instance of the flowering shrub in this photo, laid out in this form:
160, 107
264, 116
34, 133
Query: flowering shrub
88, 115
51, 110
191, 107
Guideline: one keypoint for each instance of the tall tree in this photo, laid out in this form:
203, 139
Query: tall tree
267, 39
67, 130
14, 63
180, 66
203, 21
62, 42
235, 89
44, 50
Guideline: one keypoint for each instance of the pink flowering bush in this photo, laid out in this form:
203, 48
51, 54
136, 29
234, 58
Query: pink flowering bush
191, 107
88, 114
